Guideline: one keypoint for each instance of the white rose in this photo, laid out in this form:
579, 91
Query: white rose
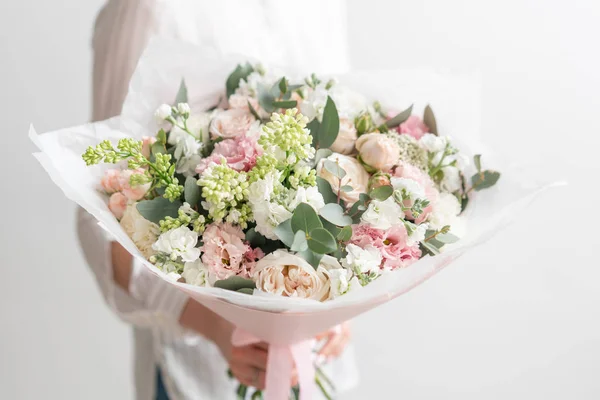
163, 112
179, 242
444, 211
409, 188
356, 177
196, 273
231, 123
344, 143
383, 214
417, 235
378, 151
142, 232
432, 143
451, 181
286, 274
362, 260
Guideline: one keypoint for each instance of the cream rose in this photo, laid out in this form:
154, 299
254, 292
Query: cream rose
356, 176
143, 232
286, 274
230, 124
378, 151
344, 143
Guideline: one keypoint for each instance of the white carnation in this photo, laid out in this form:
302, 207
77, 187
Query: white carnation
383, 214
362, 260
342, 281
432, 143
196, 273
409, 188
141, 231
179, 242
444, 211
309, 195
314, 104
451, 181
417, 235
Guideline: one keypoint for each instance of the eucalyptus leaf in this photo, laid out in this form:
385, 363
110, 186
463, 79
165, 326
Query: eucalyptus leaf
477, 162
191, 191
333, 229
322, 153
345, 234
266, 99
430, 249
285, 233
299, 243
161, 137
157, 209
447, 238
346, 188
285, 104
464, 202
235, 283
182, 93
233, 81
358, 208
484, 179
246, 291
429, 120
334, 168
381, 193
253, 111
313, 127
321, 241
255, 239
330, 124
334, 213
283, 86
400, 118
305, 219
326, 191
311, 257
157, 148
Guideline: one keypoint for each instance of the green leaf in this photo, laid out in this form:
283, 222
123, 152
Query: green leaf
157, 209
191, 191
182, 93
345, 234
358, 208
311, 257
321, 241
235, 283
381, 193
161, 137
429, 120
330, 125
313, 127
156, 148
334, 230
447, 238
253, 111
400, 118
346, 188
255, 239
321, 154
285, 233
334, 168
285, 104
299, 243
430, 249
334, 213
326, 191
283, 85
464, 202
246, 291
233, 81
484, 179
305, 219
477, 161
266, 98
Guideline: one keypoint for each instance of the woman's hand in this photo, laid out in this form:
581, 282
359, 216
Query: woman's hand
336, 340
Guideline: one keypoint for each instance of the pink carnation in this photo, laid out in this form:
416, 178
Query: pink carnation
414, 127
408, 171
117, 204
240, 154
392, 244
225, 252
111, 181
137, 192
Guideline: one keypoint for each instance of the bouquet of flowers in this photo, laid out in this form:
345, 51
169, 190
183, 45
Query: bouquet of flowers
309, 196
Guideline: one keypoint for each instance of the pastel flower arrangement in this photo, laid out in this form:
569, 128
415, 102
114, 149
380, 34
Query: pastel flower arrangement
301, 190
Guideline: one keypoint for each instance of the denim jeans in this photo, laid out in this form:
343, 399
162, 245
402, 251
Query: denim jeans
161, 392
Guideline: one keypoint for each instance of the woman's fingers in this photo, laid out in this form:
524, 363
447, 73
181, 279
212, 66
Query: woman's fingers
250, 355
336, 342
249, 363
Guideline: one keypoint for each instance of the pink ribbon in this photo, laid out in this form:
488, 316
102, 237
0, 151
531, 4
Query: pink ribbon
280, 363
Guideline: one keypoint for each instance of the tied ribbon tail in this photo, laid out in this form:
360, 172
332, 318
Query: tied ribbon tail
280, 364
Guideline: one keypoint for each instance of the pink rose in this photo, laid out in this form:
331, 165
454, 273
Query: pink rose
408, 171
392, 244
225, 252
414, 127
229, 124
133, 193
110, 181
240, 154
147, 142
117, 204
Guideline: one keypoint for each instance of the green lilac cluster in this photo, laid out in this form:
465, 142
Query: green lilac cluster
410, 151
226, 194
302, 175
288, 132
186, 216
160, 172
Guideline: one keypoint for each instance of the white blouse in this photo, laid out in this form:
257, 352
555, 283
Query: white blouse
311, 36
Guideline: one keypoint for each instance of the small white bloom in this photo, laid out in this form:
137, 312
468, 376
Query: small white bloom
309, 195
444, 211
417, 235
432, 143
342, 281
174, 276
163, 112
179, 242
187, 155
196, 273
383, 214
183, 108
262, 189
314, 104
362, 260
140, 230
411, 189
451, 181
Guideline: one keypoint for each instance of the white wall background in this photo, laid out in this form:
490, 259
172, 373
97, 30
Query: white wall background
518, 318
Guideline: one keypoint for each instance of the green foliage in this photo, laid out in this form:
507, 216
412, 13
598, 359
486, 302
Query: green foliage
429, 120
182, 93
321, 241
381, 193
484, 180
191, 191
299, 243
334, 168
400, 118
326, 190
305, 219
235, 283
325, 132
477, 162
233, 81
345, 234
334, 213
157, 209
285, 233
